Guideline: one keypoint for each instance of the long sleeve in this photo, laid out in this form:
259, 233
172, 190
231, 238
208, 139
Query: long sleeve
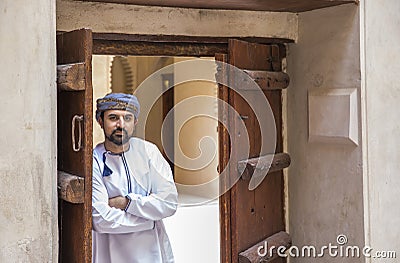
107, 219
163, 199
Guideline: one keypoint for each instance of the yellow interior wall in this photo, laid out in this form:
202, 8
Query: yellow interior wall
101, 77
143, 67
194, 130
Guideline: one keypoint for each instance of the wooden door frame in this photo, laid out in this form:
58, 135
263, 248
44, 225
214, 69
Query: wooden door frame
190, 46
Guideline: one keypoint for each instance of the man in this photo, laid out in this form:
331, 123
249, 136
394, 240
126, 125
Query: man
133, 189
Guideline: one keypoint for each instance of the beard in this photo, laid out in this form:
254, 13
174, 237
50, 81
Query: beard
119, 139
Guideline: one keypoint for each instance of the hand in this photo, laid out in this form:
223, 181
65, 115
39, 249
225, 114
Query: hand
119, 202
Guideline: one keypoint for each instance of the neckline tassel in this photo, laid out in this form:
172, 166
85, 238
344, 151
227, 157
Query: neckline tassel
107, 171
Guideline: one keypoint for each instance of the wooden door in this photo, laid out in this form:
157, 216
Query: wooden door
248, 217
74, 131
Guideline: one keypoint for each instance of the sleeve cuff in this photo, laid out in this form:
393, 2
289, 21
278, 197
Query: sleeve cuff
129, 202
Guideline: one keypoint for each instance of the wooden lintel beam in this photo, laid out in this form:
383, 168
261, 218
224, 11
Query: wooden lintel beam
133, 48
277, 240
70, 187
269, 80
270, 163
71, 77
184, 39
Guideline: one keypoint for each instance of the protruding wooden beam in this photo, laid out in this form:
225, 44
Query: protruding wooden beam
260, 252
71, 77
279, 162
269, 80
70, 187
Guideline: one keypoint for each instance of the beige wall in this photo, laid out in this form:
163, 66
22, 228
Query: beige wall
28, 197
134, 19
197, 135
380, 28
144, 67
101, 79
325, 178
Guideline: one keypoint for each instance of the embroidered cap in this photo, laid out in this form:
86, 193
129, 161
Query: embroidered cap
118, 101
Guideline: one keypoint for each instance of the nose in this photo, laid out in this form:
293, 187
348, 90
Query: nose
121, 122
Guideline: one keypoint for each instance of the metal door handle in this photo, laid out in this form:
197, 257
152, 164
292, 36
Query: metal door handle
78, 118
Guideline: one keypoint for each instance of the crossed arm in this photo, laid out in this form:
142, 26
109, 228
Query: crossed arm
163, 199
110, 219
119, 202
161, 202
134, 212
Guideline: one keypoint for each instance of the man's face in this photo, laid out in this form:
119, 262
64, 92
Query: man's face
118, 126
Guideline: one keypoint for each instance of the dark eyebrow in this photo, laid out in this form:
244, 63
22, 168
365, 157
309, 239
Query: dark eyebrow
129, 114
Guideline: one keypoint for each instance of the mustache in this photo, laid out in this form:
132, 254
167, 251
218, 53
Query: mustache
119, 130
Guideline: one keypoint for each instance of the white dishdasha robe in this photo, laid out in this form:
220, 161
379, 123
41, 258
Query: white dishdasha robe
136, 234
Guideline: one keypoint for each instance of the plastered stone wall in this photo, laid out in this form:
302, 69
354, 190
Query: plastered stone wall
325, 179
28, 177
380, 27
133, 19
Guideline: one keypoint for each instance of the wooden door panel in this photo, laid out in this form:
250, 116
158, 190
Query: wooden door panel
258, 214
75, 220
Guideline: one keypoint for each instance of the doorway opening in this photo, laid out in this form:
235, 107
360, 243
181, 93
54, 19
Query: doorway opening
246, 216
196, 223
